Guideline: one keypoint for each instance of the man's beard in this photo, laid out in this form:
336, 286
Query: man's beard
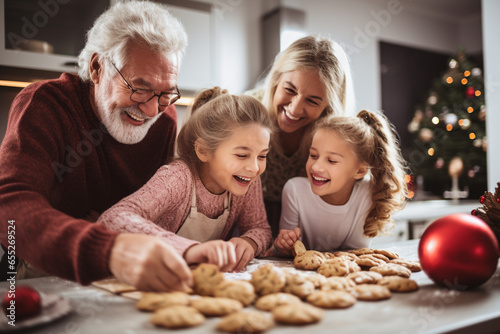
121, 131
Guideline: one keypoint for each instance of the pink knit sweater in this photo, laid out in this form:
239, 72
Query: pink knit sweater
161, 206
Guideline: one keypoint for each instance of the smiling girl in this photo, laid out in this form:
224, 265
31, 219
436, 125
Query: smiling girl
214, 186
355, 181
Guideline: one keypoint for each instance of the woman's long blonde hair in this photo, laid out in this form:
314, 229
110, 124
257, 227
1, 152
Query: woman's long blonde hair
375, 143
213, 118
328, 59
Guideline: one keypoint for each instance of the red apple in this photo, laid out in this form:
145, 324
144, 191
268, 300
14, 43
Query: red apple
21, 302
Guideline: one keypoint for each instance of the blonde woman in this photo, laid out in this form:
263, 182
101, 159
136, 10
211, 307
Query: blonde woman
309, 80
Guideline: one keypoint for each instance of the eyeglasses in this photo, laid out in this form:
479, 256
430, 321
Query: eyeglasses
140, 95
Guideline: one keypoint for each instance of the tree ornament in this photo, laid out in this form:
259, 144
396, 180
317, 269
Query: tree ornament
476, 71
453, 63
473, 212
458, 251
24, 302
425, 135
470, 91
481, 199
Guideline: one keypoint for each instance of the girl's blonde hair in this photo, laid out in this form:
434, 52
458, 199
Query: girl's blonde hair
213, 118
375, 143
325, 57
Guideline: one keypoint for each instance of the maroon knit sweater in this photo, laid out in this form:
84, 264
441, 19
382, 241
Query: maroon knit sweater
57, 164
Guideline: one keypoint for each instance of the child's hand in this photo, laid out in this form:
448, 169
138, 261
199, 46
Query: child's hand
245, 251
285, 240
218, 252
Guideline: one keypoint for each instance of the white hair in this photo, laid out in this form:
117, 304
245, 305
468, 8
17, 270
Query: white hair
144, 22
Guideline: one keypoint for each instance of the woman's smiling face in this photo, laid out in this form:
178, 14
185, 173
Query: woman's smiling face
300, 99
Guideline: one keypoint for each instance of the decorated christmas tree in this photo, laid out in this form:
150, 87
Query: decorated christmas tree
449, 127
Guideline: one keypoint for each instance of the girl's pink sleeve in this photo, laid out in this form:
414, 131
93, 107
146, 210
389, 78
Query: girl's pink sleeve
163, 194
252, 219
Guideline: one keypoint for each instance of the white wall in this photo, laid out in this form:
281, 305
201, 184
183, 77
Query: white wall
491, 28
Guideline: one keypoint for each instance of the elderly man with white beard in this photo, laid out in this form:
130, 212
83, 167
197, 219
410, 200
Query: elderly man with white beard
76, 145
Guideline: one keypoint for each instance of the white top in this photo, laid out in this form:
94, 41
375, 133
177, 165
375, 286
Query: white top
326, 227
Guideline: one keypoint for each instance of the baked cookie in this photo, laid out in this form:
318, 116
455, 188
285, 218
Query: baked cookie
206, 277
297, 285
152, 301
246, 322
338, 283
178, 316
371, 292
268, 279
309, 260
316, 279
361, 251
269, 302
390, 269
331, 299
243, 291
216, 306
369, 260
298, 248
365, 277
414, 266
297, 314
398, 284
347, 255
389, 254
338, 267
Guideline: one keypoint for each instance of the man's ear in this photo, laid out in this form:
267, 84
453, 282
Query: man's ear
95, 69
201, 150
361, 172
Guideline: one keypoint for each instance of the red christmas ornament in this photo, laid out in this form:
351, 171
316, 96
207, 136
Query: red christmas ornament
470, 91
21, 302
473, 212
481, 199
458, 251
498, 200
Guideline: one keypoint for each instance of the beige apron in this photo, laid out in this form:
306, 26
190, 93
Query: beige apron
199, 227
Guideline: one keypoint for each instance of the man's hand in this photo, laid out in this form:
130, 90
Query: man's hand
148, 264
285, 240
218, 252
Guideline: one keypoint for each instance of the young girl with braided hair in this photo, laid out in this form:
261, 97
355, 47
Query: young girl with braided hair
355, 181
212, 188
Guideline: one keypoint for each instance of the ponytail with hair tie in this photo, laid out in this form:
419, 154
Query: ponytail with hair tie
207, 95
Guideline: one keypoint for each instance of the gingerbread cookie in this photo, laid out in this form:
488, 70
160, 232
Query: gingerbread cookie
309, 260
365, 277
371, 292
338, 267
243, 291
298, 285
269, 302
338, 283
152, 301
390, 269
398, 284
369, 260
298, 248
414, 266
297, 314
389, 254
206, 277
331, 299
178, 316
246, 322
362, 251
268, 279
216, 306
